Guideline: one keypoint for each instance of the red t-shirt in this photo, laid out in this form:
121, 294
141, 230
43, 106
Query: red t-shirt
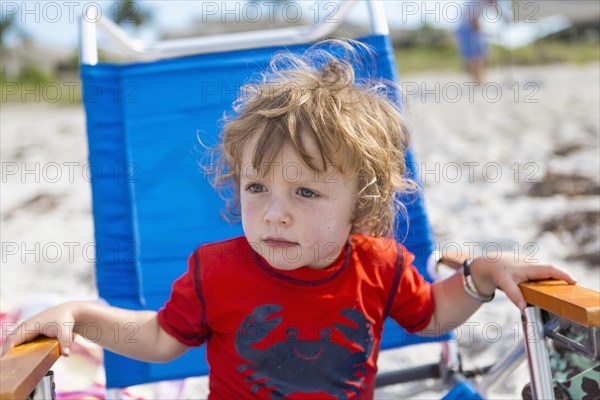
304, 333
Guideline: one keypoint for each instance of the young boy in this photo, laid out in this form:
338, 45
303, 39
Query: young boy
296, 306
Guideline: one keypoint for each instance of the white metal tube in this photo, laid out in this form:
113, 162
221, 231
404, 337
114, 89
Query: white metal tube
236, 41
45, 388
208, 44
88, 48
537, 355
378, 21
450, 351
502, 369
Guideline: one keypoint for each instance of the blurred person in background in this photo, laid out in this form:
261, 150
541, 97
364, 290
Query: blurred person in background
472, 43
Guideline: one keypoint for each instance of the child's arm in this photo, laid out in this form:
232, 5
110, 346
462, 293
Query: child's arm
134, 334
453, 305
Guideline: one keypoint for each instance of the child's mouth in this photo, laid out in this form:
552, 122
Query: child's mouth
278, 242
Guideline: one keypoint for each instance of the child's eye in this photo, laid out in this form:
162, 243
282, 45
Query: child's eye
303, 192
256, 188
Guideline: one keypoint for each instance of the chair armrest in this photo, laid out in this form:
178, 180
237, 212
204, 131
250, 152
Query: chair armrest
572, 302
23, 367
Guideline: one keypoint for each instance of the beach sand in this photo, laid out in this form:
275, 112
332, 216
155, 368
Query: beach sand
511, 165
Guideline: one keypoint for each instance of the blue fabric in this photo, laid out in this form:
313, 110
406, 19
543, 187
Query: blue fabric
152, 204
463, 391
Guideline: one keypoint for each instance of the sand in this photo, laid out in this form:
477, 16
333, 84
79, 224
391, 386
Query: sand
511, 165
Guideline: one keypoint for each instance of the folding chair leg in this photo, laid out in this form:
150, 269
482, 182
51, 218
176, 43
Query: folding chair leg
463, 389
45, 389
408, 375
449, 365
502, 368
538, 359
114, 394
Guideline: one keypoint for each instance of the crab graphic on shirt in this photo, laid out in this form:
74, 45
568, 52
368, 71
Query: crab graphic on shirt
304, 366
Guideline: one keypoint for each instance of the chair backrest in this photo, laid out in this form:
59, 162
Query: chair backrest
152, 204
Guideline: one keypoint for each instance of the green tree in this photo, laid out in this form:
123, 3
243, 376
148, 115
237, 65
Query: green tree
129, 12
8, 23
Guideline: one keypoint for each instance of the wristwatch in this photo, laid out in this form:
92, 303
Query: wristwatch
469, 285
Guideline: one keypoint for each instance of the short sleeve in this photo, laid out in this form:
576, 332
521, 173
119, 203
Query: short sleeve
413, 304
183, 315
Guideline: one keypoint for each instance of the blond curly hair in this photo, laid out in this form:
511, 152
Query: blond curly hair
316, 94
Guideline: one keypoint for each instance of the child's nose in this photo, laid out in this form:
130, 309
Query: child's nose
277, 213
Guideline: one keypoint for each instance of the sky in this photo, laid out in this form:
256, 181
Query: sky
54, 23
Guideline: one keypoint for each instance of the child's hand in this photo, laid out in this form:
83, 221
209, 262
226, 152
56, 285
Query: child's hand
55, 322
506, 274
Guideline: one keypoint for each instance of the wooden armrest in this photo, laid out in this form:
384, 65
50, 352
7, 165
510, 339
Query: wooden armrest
24, 366
572, 302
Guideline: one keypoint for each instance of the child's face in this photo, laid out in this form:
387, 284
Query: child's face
295, 216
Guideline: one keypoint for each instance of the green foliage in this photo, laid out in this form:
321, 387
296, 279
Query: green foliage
547, 52
34, 85
129, 11
417, 58
32, 74
423, 58
428, 36
6, 24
